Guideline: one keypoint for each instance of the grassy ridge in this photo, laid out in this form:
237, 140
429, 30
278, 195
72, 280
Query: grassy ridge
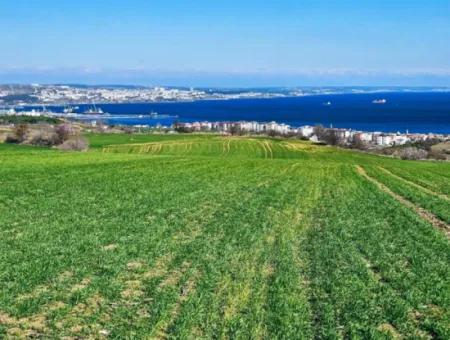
206, 236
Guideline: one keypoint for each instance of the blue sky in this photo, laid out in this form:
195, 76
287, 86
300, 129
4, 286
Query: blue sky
226, 43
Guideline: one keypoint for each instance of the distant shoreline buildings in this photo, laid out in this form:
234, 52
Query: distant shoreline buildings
66, 94
59, 94
313, 133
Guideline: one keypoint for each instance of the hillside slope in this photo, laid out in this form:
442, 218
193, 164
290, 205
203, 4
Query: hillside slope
203, 237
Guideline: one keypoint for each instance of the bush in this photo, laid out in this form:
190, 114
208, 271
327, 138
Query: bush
20, 132
63, 132
45, 139
440, 156
411, 153
12, 139
75, 144
357, 143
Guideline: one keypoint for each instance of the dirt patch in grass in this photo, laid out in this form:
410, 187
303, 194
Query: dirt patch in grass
426, 215
75, 321
110, 247
18, 333
160, 267
138, 272
36, 292
65, 276
82, 285
268, 270
6, 319
135, 265
55, 306
133, 290
389, 329
24, 327
174, 276
187, 237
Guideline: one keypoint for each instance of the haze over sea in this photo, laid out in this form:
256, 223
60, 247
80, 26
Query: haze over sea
417, 112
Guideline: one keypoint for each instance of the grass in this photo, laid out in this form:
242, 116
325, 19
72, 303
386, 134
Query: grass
201, 236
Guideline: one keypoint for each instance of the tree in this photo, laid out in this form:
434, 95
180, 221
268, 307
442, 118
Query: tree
234, 129
319, 131
358, 143
331, 138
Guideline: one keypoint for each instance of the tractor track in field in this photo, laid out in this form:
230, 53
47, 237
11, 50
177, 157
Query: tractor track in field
269, 149
264, 148
418, 186
268, 153
425, 214
145, 147
226, 147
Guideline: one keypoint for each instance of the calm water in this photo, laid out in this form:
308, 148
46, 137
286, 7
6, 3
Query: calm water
417, 112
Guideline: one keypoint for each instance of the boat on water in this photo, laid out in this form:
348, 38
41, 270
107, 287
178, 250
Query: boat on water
69, 109
94, 111
327, 104
379, 101
150, 115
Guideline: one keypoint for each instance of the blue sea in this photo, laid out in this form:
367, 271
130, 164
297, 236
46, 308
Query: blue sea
416, 112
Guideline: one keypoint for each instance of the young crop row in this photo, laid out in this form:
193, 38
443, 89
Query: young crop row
432, 202
431, 175
220, 146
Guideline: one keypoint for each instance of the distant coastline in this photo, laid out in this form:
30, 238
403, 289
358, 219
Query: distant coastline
421, 112
34, 94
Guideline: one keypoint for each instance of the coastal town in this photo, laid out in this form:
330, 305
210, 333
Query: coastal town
71, 94
317, 133
62, 94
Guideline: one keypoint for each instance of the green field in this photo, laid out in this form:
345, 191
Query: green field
201, 236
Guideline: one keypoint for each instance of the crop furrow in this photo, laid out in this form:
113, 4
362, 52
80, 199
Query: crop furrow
428, 216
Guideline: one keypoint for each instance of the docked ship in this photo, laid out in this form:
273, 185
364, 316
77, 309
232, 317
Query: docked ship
94, 111
70, 109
